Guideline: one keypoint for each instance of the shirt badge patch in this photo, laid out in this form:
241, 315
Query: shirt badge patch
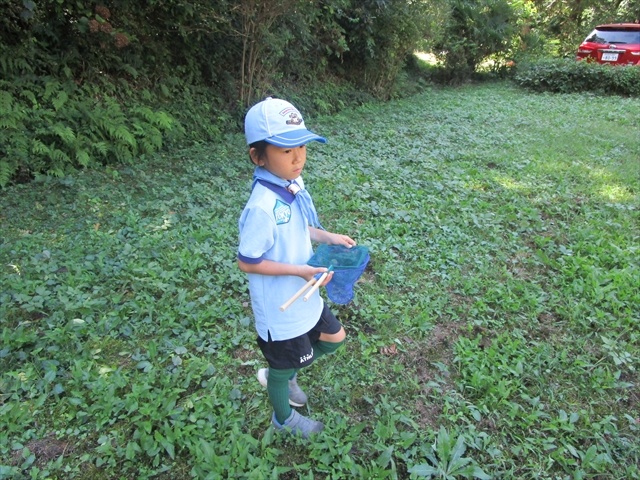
282, 212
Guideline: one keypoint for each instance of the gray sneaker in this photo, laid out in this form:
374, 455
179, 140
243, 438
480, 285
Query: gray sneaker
297, 398
298, 424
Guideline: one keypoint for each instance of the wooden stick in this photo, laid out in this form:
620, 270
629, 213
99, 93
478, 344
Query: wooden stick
288, 303
318, 284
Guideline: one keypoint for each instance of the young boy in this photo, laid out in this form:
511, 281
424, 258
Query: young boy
276, 229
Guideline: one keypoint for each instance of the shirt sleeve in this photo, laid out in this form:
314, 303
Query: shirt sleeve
257, 234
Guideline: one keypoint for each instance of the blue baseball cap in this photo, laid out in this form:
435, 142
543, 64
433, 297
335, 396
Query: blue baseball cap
279, 123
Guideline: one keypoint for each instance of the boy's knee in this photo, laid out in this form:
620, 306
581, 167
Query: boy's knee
334, 337
328, 347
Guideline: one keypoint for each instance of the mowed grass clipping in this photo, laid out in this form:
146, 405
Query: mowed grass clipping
495, 332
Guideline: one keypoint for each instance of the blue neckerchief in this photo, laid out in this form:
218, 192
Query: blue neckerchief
263, 175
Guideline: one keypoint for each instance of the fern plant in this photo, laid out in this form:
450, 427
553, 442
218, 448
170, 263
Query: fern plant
52, 128
14, 147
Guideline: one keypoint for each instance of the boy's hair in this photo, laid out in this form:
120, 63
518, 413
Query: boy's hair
261, 149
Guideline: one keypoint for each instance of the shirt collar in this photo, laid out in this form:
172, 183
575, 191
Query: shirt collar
287, 195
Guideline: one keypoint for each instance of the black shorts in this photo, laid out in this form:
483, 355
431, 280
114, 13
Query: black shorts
298, 352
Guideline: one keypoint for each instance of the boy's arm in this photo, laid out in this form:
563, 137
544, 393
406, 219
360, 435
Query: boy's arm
322, 236
269, 267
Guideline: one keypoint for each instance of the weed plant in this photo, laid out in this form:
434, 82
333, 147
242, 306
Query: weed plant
495, 333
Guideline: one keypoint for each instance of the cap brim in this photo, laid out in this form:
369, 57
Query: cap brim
294, 138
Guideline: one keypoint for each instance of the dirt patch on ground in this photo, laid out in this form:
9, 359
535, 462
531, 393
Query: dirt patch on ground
419, 357
45, 450
632, 400
246, 354
435, 348
427, 414
368, 276
548, 326
248, 357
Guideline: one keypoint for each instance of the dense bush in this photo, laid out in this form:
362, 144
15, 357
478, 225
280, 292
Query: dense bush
52, 127
379, 37
567, 75
474, 30
89, 83
95, 82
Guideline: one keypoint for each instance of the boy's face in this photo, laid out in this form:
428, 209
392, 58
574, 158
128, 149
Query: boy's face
286, 163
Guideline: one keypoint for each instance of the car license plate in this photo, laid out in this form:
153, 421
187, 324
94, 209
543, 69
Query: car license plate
609, 57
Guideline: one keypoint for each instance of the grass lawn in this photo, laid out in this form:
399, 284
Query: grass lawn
495, 332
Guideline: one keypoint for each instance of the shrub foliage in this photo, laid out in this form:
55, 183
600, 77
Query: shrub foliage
94, 82
475, 29
567, 75
52, 127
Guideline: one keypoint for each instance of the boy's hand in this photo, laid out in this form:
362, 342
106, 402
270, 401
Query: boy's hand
338, 239
327, 279
322, 236
308, 272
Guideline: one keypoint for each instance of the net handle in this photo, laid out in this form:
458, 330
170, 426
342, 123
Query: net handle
317, 285
288, 303
313, 283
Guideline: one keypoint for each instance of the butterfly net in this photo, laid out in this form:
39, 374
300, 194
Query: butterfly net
348, 265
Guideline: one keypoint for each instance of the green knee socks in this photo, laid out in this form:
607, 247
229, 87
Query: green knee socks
278, 388
278, 383
321, 348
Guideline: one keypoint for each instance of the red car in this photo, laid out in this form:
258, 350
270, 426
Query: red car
614, 44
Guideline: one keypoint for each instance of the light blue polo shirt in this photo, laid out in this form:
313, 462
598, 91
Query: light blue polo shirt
272, 227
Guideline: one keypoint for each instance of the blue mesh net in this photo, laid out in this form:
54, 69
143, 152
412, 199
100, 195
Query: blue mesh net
348, 265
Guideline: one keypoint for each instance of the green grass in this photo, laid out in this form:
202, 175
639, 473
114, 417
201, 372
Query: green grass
496, 331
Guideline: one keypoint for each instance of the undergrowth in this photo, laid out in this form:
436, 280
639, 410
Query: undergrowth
495, 333
53, 127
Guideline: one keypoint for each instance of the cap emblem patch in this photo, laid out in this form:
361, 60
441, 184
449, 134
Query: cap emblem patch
294, 116
294, 119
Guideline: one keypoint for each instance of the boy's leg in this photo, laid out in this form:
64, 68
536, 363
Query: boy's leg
283, 415
297, 398
328, 343
278, 388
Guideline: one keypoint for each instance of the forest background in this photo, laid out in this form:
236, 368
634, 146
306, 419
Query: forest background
494, 333
86, 83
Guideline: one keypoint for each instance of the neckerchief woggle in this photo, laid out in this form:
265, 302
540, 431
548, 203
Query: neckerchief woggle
300, 194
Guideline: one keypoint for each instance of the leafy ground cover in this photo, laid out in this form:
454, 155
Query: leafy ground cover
495, 333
